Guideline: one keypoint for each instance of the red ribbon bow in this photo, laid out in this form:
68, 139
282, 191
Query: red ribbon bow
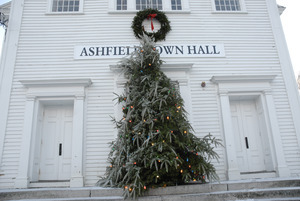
151, 16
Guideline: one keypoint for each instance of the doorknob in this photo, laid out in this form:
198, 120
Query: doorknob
60, 149
246, 140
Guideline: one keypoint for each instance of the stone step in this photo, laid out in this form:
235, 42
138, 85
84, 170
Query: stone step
248, 189
274, 194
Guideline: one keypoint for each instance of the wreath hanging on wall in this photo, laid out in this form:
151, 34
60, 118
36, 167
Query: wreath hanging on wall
151, 14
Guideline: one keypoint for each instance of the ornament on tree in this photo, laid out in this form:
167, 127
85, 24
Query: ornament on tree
159, 153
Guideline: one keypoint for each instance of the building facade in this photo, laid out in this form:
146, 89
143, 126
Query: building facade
58, 78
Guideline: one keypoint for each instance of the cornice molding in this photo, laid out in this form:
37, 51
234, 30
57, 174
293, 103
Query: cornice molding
242, 78
81, 82
164, 67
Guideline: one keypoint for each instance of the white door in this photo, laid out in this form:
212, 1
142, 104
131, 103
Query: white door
56, 149
247, 135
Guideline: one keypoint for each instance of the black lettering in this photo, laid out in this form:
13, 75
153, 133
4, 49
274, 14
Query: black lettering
160, 49
115, 50
101, 51
169, 49
192, 49
83, 52
91, 51
215, 50
121, 51
207, 50
178, 49
108, 50
201, 50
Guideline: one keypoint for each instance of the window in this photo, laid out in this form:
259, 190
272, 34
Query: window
176, 4
131, 6
121, 4
144, 4
228, 5
65, 5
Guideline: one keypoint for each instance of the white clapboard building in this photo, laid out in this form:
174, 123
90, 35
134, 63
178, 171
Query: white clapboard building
58, 76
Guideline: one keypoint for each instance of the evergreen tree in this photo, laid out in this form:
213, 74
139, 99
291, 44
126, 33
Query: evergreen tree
155, 146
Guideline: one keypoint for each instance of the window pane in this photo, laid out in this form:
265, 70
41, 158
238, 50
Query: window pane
159, 4
54, 6
178, 5
66, 5
59, 7
121, 4
124, 5
118, 4
237, 4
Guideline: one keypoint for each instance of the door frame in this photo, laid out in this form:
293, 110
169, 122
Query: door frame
249, 85
54, 90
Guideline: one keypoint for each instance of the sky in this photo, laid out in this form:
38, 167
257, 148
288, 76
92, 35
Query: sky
290, 21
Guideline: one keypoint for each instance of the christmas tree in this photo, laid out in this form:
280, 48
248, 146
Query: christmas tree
155, 146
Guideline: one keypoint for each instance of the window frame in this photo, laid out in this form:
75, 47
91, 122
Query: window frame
49, 9
242, 6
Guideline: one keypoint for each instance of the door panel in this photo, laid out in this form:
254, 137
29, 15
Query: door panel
55, 164
239, 139
66, 141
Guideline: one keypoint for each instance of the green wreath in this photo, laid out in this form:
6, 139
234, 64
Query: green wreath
138, 29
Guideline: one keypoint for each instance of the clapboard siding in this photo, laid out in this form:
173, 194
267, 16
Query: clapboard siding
45, 50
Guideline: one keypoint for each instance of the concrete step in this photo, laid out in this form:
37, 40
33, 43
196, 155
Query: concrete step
274, 194
264, 189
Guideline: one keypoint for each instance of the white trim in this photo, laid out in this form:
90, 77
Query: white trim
249, 85
242, 78
57, 82
164, 67
53, 90
286, 66
135, 11
8, 59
